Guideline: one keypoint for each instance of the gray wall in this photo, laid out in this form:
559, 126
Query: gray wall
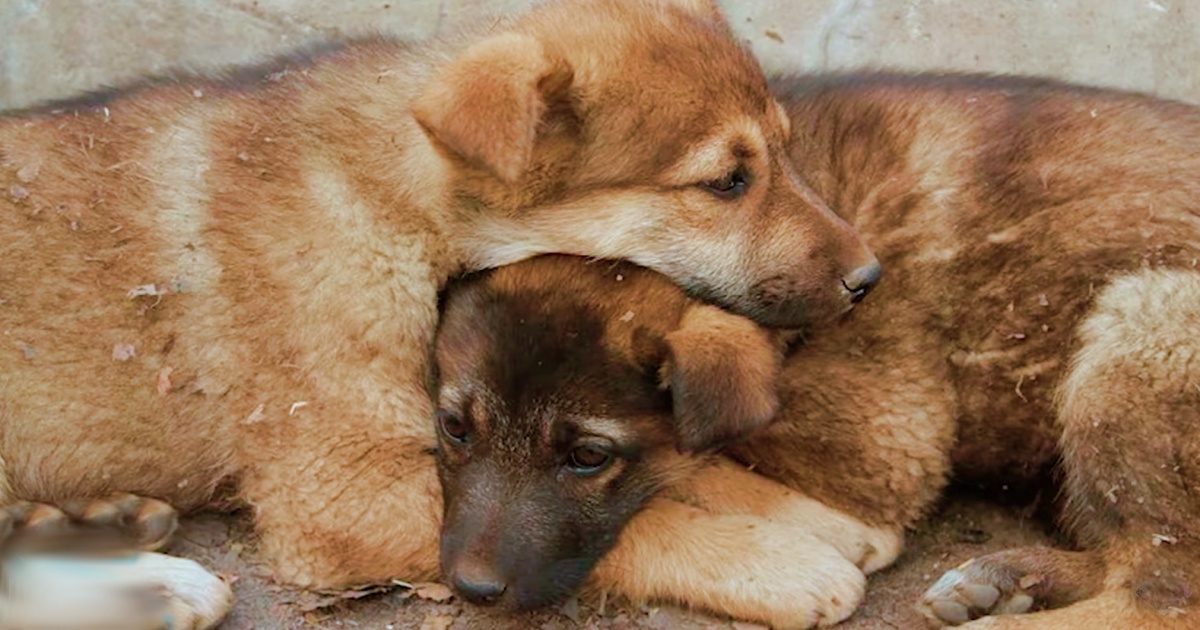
52, 48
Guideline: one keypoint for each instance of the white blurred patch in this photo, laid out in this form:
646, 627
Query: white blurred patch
117, 592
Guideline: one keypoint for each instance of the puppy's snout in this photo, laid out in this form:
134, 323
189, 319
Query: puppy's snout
860, 281
476, 583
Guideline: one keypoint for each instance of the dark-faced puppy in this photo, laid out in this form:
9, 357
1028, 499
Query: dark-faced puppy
568, 395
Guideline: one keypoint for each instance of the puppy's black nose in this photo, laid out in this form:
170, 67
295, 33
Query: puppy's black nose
481, 590
860, 281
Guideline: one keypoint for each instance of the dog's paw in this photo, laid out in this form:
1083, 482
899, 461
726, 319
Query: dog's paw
1013, 581
123, 520
821, 588
742, 566
126, 591
975, 589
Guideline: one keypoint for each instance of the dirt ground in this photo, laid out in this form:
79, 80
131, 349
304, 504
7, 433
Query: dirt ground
964, 527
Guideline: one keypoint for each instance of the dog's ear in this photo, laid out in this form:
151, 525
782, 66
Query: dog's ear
722, 371
486, 104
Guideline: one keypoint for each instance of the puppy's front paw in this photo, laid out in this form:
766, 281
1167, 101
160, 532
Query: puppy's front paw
127, 591
813, 585
742, 566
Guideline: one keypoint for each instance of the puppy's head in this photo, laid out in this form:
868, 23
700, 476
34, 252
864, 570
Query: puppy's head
640, 130
569, 393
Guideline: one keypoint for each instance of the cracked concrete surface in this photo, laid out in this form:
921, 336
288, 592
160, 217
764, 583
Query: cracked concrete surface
53, 48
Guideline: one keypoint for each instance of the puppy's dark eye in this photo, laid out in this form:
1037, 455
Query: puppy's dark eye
452, 426
588, 459
731, 186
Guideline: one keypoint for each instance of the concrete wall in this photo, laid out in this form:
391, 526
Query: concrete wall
53, 48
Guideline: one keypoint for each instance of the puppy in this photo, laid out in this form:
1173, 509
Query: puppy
575, 396
224, 290
1040, 317
1043, 242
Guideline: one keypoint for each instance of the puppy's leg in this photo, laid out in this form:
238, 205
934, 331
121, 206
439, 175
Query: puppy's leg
1116, 609
1130, 413
1130, 418
726, 487
739, 565
69, 568
1013, 581
343, 501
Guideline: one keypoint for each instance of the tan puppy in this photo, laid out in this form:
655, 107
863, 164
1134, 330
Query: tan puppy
225, 290
1043, 306
1043, 244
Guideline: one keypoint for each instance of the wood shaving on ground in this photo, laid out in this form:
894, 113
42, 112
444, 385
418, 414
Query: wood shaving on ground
437, 621
309, 601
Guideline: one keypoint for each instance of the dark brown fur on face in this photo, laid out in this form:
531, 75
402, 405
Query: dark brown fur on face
567, 392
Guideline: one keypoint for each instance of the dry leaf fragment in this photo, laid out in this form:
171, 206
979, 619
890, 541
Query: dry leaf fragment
310, 601
163, 382
432, 591
570, 609
437, 621
123, 352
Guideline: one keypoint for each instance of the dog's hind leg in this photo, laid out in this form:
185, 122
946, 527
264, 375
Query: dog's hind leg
72, 566
1129, 411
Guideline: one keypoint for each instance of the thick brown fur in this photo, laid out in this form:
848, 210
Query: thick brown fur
1041, 313
221, 292
1042, 305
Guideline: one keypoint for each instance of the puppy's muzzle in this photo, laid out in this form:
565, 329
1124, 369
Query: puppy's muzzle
860, 281
476, 583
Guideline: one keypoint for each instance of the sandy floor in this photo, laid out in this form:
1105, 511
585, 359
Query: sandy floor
966, 526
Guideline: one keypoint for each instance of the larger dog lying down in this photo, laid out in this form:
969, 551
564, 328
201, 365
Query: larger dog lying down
225, 290
1043, 303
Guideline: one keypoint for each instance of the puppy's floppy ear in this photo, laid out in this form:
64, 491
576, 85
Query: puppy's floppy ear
722, 371
486, 104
